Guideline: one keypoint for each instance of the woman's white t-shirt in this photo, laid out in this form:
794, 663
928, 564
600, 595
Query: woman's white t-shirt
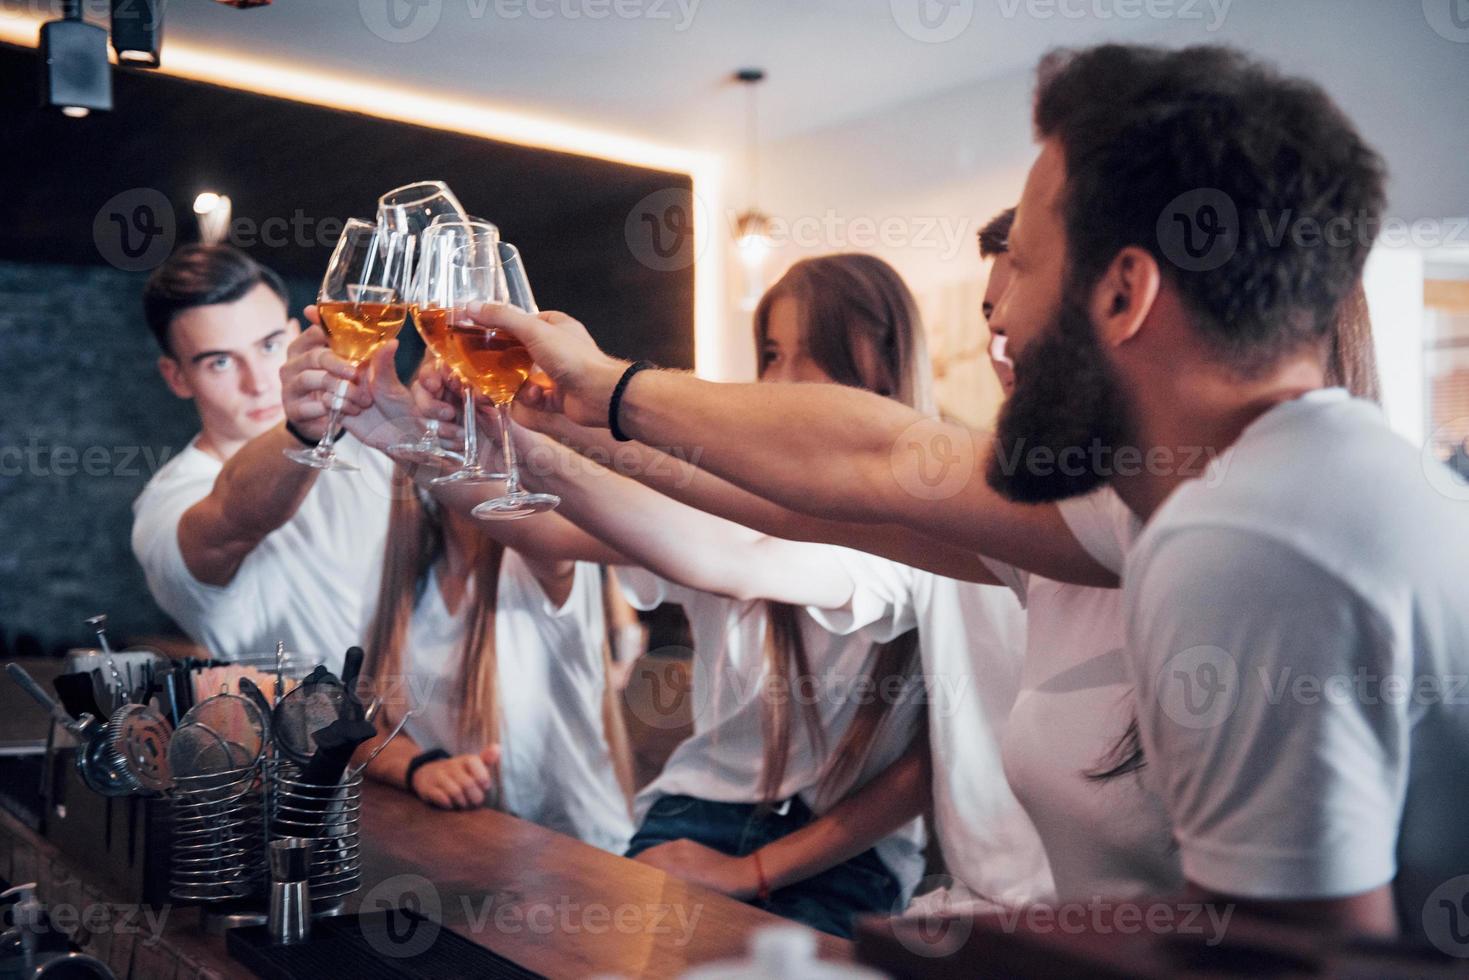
1104, 838
556, 767
312, 582
723, 759
972, 640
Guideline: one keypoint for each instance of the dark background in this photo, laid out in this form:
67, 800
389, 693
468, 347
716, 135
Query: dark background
85, 419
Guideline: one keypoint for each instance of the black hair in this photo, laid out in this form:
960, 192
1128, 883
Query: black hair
1161, 143
201, 275
994, 238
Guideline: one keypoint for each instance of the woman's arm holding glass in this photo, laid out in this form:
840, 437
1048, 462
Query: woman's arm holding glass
681, 543
685, 482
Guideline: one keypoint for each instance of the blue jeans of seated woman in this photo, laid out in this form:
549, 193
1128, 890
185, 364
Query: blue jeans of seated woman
827, 901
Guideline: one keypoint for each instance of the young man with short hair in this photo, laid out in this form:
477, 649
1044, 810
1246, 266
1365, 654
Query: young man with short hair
241, 546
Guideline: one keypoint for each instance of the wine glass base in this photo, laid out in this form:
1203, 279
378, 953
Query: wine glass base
414, 452
468, 478
319, 460
512, 507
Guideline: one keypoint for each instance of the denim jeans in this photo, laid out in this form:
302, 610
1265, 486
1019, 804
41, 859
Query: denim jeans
827, 901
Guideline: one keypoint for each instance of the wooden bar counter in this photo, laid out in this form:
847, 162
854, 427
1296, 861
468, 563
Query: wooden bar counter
550, 903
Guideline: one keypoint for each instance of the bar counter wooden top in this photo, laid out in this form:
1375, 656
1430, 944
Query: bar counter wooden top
544, 900
547, 901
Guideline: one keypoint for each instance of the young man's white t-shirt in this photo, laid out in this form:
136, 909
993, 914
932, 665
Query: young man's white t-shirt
311, 582
1299, 635
1104, 838
722, 760
556, 766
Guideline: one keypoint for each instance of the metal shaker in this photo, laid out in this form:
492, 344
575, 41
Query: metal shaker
290, 890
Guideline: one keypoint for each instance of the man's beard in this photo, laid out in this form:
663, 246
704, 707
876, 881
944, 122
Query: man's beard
1059, 428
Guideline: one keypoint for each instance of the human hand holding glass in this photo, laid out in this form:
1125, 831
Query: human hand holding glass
511, 366
456, 270
362, 306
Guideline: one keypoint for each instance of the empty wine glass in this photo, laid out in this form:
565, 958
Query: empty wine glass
362, 307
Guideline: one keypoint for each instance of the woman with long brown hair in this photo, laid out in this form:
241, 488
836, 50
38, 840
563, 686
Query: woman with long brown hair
499, 657
789, 718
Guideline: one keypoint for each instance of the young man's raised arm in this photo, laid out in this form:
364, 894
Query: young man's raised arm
259, 489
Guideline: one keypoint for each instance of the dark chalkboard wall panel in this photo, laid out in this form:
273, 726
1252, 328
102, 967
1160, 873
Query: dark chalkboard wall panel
84, 418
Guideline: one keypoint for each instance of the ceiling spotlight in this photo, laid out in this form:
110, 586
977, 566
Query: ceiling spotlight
137, 31
213, 210
75, 75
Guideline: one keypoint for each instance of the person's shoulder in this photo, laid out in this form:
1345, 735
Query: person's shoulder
1313, 472
186, 471
646, 590
1102, 524
865, 565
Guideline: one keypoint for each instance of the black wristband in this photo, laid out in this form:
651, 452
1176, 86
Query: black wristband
614, 406
419, 761
301, 437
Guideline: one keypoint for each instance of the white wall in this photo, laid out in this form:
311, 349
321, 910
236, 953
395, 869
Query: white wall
935, 170
1393, 280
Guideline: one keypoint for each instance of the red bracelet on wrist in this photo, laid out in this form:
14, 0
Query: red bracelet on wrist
763, 892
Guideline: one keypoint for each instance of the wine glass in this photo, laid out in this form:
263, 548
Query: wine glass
511, 367
463, 267
362, 306
411, 209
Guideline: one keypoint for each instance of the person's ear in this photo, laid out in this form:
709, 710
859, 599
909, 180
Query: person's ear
1124, 295
173, 376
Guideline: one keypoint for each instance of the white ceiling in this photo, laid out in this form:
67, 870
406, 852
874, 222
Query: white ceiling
661, 70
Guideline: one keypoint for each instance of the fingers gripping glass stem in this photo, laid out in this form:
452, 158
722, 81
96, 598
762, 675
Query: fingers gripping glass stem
473, 471
321, 456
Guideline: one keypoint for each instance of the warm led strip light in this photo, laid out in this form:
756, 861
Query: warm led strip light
371, 98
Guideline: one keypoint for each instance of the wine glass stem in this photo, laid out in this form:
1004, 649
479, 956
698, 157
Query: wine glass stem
431, 427
471, 432
512, 471
324, 446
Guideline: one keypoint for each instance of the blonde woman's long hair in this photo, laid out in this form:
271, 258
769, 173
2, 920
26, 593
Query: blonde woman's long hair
415, 542
844, 302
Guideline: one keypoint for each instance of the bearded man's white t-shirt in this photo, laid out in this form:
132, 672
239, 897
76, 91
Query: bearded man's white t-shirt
1298, 630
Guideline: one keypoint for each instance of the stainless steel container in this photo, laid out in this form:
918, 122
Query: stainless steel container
290, 890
